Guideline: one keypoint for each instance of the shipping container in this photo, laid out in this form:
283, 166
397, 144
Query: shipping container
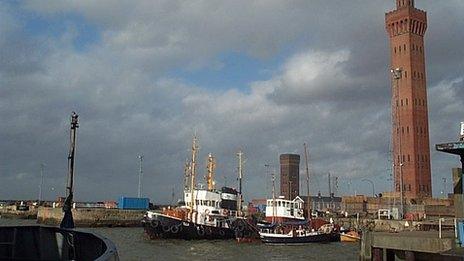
133, 203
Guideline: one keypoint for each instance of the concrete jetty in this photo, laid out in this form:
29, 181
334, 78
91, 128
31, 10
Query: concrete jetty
409, 245
93, 217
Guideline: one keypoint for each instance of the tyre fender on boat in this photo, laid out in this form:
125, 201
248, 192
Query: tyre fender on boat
222, 233
175, 229
166, 228
209, 231
201, 231
154, 223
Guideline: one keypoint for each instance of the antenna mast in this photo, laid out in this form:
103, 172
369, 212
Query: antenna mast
308, 201
192, 175
139, 194
273, 199
240, 175
68, 221
211, 166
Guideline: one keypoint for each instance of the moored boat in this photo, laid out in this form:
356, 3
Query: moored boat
287, 233
286, 224
204, 213
351, 236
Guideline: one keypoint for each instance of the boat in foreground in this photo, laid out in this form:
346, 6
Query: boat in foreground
52, 243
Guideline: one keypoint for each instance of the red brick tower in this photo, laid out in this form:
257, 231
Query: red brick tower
406, 27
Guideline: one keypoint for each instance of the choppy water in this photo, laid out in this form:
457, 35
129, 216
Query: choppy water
133, 245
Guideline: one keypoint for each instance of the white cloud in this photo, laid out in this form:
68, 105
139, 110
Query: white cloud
334, 96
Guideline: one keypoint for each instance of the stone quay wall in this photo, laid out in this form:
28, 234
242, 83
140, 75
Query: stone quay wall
93, 217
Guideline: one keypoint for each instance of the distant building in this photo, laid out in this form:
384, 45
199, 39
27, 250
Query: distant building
324, 203
289, 176
259, 204
406, 26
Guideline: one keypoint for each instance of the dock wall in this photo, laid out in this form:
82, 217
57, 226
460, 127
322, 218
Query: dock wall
11, 212
92, 217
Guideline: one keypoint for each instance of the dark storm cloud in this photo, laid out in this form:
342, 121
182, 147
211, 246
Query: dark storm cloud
332, 91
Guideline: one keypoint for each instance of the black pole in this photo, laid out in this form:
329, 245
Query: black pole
68, 221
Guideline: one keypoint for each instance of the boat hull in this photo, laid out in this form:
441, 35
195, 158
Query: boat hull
168, 227
319, 238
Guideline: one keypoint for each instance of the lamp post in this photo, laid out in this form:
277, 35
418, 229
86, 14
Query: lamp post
372, 184
42, 166
139, 194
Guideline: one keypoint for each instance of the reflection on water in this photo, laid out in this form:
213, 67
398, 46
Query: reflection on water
133, 245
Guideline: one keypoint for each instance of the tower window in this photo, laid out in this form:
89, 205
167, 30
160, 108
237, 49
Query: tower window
400, 48
406, 101
401, 102
407, 131
409, 158
405, 74
395, 49
402, 131
404, 47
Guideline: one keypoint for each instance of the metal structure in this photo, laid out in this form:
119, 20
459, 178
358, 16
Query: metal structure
396, 75
192, 175
68, 221
372, 184
210, 172
308, 201
240, 176
139, 194
42, 166
273, 199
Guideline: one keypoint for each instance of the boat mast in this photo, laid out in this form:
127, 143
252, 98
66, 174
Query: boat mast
211, 166
273, 199
308, 201
68, 221
192, 175
186, 176
240, 175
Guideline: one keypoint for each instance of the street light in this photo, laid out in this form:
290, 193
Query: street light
140, 176
42, 166
372, 184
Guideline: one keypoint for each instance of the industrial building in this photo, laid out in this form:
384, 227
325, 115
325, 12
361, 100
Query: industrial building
289, 176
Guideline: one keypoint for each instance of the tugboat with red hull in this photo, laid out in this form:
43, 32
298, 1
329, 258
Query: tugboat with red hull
205, 213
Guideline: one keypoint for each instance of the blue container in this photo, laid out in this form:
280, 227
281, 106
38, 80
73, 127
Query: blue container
133, 203
461, 233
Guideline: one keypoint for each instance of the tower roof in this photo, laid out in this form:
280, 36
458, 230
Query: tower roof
404, 3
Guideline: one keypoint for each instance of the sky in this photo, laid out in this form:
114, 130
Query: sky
263, 77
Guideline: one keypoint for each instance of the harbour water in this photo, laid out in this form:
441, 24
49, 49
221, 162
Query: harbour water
132, 244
